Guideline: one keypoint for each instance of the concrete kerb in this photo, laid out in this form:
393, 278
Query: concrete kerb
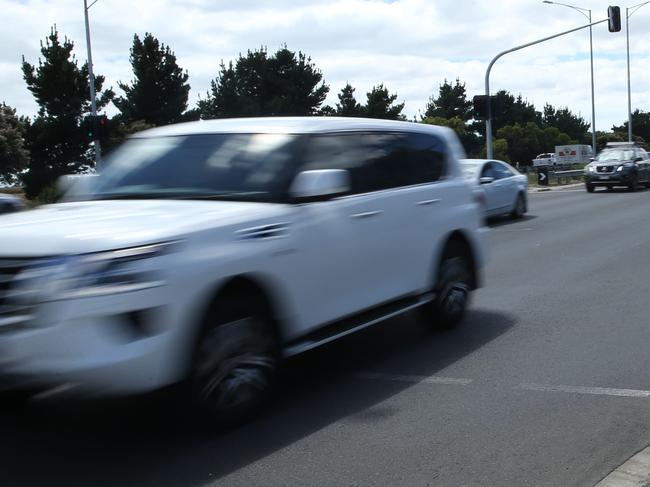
539, 189
633, 473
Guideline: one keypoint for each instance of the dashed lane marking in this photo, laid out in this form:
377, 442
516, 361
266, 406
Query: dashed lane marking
413, 379
600, 391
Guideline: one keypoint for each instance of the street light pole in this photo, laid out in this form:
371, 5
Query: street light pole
591, 55
629, 11
91, 83
629, 87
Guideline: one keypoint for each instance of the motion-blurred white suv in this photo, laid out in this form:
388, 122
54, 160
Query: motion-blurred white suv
205, 252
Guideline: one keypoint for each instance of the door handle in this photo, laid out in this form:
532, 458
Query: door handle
367, 214
427, 202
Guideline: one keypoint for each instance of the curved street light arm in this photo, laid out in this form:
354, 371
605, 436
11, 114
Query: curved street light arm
488, 121
633, 8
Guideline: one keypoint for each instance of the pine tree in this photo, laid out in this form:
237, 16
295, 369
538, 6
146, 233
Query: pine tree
451, 102
13, 153
380, 104
56, 140
348, 105
258, 84
159, 91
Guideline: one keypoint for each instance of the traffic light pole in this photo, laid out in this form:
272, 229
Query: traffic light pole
488, 120
91, 84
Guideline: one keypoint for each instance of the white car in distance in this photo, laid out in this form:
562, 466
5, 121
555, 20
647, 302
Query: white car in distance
502, 189
206, 252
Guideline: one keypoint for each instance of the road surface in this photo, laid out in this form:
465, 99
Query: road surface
545, 383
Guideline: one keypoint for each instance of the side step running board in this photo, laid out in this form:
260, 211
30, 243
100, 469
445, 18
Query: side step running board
354, 324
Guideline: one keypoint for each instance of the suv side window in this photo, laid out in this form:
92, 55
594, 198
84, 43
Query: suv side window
378, 160
424, 158
373, 159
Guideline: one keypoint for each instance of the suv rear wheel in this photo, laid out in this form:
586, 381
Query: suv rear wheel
452, 289
235, 363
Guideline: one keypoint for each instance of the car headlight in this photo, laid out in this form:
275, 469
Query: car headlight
620, 168
91, 275
591, 169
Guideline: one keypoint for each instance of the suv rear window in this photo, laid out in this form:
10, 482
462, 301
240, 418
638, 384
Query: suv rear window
378, 161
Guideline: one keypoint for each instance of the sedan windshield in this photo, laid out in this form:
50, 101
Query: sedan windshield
615, 155
249, 167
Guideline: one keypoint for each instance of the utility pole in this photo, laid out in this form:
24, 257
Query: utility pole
91, 83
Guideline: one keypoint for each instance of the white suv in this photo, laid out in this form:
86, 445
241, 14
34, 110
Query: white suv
205, 252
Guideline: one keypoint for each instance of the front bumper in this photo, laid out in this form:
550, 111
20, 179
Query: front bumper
611, 179
106, 346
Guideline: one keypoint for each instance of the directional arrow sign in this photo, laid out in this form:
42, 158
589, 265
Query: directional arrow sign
542, 176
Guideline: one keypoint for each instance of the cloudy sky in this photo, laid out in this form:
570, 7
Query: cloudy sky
411, 46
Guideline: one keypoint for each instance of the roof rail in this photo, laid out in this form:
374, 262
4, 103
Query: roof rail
622, 144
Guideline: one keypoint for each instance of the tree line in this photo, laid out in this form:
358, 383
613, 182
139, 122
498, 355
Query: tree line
37, 151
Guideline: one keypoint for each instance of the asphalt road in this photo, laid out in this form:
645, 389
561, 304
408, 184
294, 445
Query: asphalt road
545, 383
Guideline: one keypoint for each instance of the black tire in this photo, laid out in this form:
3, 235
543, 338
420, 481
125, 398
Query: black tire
235, 363
452, 291
632, 186
520, 207
647, 184
15, 401
610, 188
590, 188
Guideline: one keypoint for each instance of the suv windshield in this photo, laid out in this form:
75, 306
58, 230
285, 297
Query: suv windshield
248, 167
615, 155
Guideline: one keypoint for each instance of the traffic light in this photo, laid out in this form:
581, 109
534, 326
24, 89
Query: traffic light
614, 15
102, 127
481, 106
95, 128
88, 127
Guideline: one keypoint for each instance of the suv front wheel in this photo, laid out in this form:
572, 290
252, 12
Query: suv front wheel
235, 363
632, 185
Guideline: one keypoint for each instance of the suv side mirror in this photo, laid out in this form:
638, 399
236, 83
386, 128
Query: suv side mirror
638, 159
486, 180
319, 184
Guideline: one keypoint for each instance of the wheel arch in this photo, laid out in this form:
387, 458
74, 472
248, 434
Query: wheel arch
262, 291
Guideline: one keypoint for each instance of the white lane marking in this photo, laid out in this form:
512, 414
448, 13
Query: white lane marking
413, 379
601, 391
635, 472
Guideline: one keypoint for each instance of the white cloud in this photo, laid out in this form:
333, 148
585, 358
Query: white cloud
409, 45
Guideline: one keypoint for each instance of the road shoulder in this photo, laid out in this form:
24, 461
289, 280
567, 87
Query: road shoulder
633, 473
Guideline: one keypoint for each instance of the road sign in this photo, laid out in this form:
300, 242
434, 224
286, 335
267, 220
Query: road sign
542, 176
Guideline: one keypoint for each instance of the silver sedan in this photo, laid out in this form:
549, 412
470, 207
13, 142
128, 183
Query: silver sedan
499, 186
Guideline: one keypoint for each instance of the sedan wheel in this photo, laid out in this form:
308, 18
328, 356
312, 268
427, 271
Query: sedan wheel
520, 207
